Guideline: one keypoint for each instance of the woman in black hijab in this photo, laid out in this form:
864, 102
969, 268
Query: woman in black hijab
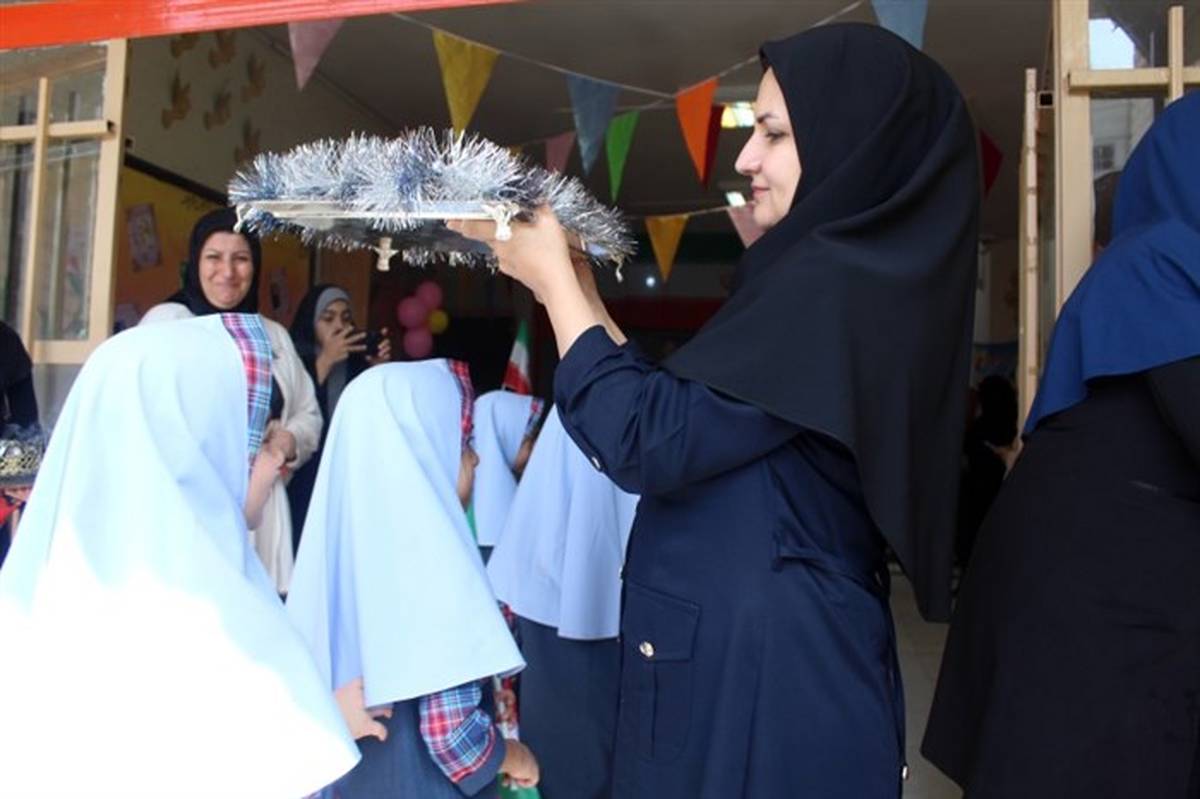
222, 276
816, 419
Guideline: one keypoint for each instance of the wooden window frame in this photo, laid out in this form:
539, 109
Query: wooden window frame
41, 134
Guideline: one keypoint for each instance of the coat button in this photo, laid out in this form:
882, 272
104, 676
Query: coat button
904, 772
647, 649
596, 463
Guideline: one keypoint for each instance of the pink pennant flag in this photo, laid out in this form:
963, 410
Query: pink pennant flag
742, 218
309, 41
558, 150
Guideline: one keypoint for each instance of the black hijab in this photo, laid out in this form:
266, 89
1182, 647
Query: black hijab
852, 316
221, 220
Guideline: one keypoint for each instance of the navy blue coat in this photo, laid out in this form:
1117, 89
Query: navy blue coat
758, 654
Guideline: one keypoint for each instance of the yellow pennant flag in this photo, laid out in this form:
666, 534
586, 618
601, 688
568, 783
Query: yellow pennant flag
466, 70
665, 233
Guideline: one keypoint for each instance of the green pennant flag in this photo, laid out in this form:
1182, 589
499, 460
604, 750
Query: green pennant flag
617, 141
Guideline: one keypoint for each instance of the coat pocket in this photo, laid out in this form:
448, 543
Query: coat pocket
658, 635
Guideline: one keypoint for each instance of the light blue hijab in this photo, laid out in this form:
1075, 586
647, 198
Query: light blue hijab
502, 419
388, 583
559, 559
144, 646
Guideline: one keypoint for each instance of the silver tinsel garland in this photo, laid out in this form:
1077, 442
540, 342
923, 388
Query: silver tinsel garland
394, 196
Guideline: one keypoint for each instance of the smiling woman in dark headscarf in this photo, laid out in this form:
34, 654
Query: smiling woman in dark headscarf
1072, 668
221, 276
814, 420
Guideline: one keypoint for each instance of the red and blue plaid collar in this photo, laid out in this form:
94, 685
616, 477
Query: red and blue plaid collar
250, 336
462, 373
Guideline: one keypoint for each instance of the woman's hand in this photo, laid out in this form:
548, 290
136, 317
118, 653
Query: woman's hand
360, 719
519, 765
537, 255
337, 348
280, 439
384, 355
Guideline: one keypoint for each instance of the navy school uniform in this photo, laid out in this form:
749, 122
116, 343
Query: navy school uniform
402, 766
568, 710
758, 653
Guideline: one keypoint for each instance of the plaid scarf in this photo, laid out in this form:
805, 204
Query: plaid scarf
462, 373
251, 339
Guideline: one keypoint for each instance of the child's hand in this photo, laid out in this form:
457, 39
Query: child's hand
519, 766
359, 718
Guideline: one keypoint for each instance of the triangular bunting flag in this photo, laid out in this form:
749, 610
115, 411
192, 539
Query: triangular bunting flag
593, 103
694, 107
558, 150
516, 374
742, 218
665, 233
905, 18
466, 70
309, 42
990, 157
620, 136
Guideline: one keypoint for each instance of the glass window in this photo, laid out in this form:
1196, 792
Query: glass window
65, 240
1118, 124
1124, 34
16, 170
76, 88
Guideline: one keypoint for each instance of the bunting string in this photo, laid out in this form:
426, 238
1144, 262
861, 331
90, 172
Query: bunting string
662, 98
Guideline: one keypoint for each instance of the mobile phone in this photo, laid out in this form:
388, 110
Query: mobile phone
371, 342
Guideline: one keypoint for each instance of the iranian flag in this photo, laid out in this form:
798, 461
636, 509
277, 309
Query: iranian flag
516, 376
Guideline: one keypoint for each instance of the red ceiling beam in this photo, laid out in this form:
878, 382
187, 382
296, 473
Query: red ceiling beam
52, 22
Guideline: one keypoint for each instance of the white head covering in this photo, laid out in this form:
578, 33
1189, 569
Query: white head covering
559, 559
145, 650
388, 583
502, 419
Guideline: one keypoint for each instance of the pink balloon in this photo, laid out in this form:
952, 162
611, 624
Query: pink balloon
412, 313
430, 293
418, 343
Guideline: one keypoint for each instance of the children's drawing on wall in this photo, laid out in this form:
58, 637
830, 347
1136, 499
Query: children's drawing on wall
145, 250
221, 110
181, 102
256, 78
181, 44
225, 50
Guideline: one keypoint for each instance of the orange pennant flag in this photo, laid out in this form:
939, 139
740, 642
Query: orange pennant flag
665, 233
466, 70
694, 107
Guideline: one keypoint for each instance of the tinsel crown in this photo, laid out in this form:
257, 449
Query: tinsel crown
394, 196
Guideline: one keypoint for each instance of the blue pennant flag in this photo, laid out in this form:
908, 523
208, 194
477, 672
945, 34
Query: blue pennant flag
905, 18
593, 103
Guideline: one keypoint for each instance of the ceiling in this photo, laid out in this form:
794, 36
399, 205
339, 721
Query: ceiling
389, 65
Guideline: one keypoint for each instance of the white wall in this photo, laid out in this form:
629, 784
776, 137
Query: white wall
282, 115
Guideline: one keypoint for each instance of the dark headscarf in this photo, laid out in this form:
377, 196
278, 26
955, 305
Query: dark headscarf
852, 316
221, 220
304, 336
1138, 307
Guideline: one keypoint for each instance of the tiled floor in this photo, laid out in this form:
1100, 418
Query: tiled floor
920, 646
